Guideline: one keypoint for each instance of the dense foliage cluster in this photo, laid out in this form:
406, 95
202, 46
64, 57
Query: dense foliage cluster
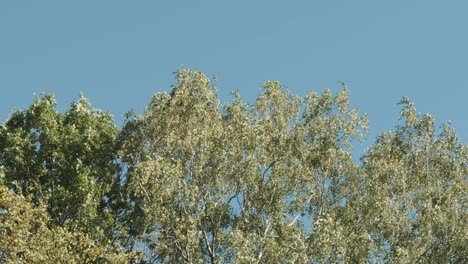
192, 180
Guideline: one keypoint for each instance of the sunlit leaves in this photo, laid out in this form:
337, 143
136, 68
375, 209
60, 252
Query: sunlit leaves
195, 180
212, 180
65, 160
416, 179
27, 238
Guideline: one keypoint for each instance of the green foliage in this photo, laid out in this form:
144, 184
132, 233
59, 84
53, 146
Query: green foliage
65, 159
415, 192
239, 183
194, 180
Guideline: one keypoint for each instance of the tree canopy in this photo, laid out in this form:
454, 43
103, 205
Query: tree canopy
197, 180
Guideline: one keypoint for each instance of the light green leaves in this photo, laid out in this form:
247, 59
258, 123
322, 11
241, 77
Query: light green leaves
211, 181
195, 180
417, 181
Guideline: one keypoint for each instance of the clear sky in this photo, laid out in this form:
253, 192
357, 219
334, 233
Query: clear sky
119, 53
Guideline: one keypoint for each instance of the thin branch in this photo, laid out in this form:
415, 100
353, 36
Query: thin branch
210, 250
144, 190
297, 216
260, 254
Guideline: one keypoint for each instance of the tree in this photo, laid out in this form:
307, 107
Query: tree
65, 160
26, 237
413, 202
194, 180
240, 183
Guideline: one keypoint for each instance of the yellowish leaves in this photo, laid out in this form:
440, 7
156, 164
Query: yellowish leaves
26, 238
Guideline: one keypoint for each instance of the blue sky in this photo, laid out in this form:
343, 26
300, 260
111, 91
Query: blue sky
119, 53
